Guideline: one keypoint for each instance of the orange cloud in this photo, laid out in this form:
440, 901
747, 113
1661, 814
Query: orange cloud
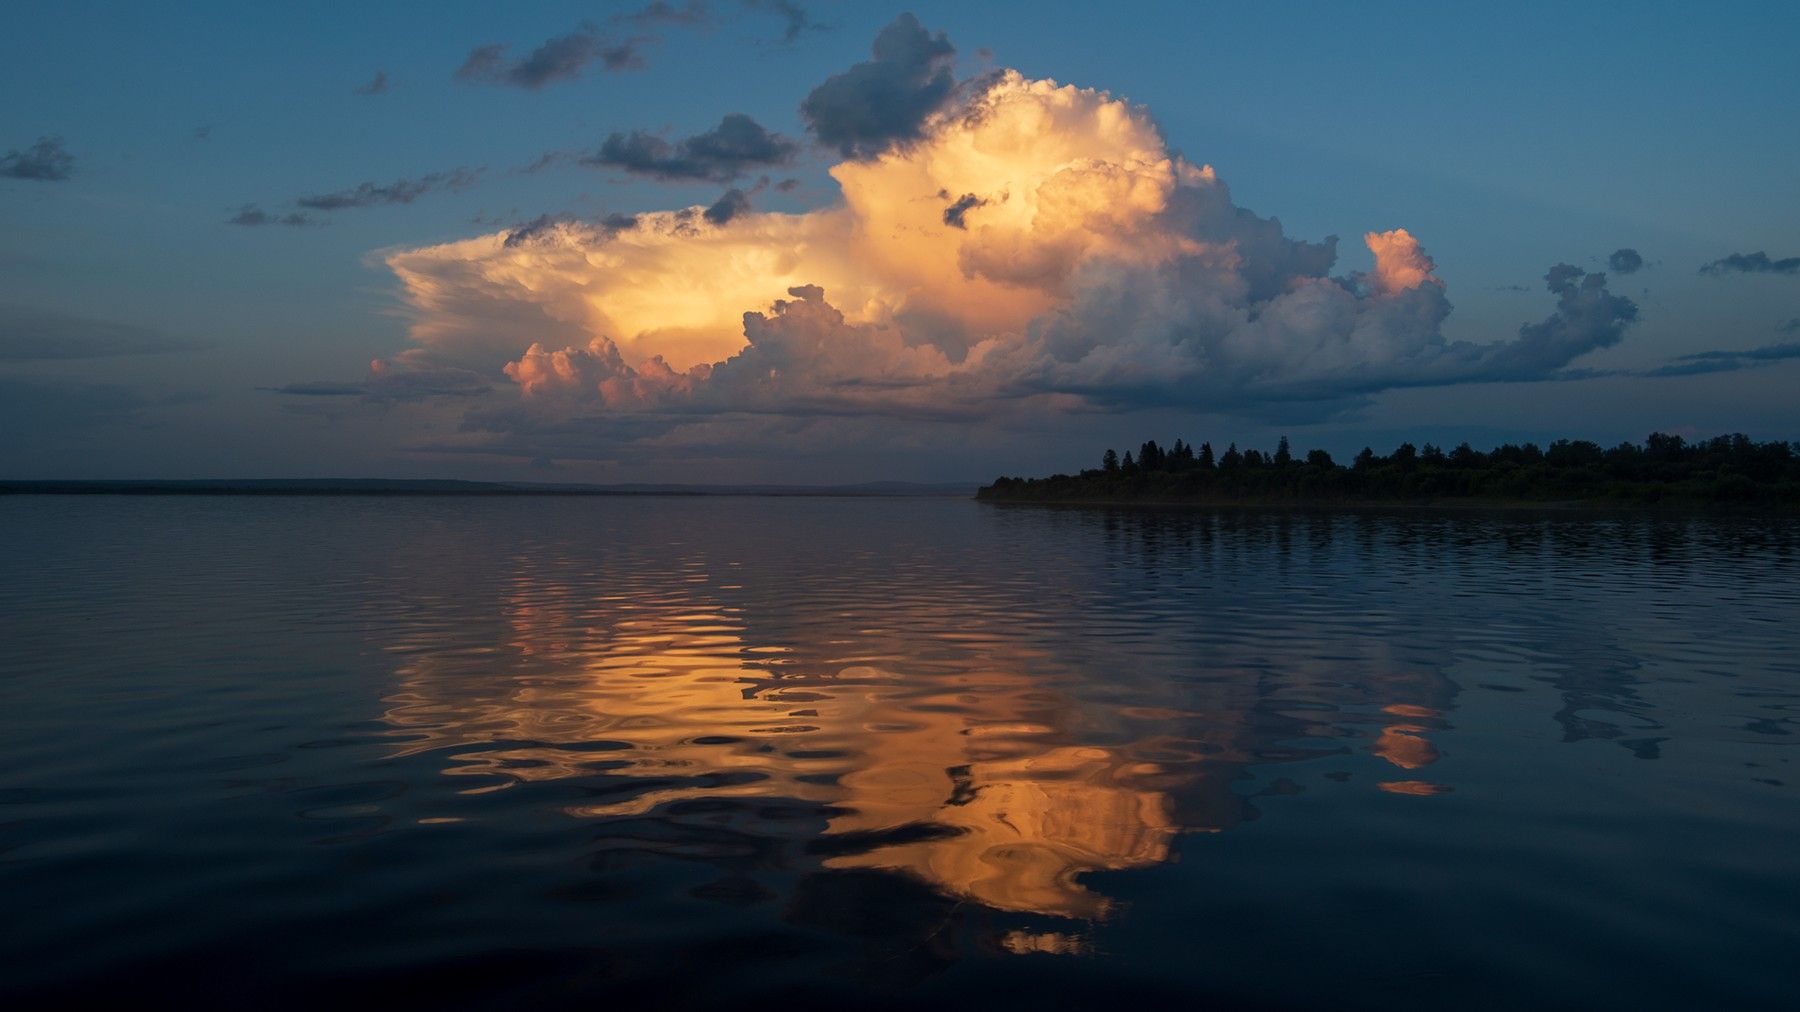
1400, 262
1038, 247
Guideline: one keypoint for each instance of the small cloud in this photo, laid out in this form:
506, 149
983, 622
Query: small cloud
1792, 326
377, 85
886, 99
693, 14
953, 215
400, 191
1625, 261
1752, 263
798, 19
46, 161
254, 216
726, 152
560, 59
787, 186
727, 207
204, 132
533, 229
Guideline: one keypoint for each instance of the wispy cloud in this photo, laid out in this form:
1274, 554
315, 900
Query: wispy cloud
400, 191
797, 20
253, 216
46, 161
1752, 263
1728, 361
377, 85
560, 59
37, 335
399, 380
692, 14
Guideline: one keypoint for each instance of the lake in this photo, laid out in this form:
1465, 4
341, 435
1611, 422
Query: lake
888, 752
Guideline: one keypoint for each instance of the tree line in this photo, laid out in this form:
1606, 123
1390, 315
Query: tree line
1730, 468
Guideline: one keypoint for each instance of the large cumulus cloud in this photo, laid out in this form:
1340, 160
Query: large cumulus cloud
1020, 247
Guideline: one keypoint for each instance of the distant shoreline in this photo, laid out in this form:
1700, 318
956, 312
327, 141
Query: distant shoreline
1456, 505
442, 489
1730, 473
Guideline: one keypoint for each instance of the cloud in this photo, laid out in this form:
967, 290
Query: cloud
1102, 272
726, 152
1752, 263
400, 191
733, 203
560, 59
887, 99
45, 161
377, 85
403, 378
1625, 261
1728, 361
693, 14
798, 19
254, 216
955, 215
33, 411
35, 335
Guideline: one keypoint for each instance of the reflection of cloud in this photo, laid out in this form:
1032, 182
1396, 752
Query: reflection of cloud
1403, 743
957, 781
1414, 788
940, 735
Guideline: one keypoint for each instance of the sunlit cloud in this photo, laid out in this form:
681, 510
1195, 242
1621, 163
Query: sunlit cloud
1005, 247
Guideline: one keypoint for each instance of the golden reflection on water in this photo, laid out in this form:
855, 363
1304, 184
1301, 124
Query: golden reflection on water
959, 767
1403, 743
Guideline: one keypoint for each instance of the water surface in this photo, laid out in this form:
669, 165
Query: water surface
910, 753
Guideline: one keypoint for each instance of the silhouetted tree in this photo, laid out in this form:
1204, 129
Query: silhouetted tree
1731, 468
1150, 456
1283, 455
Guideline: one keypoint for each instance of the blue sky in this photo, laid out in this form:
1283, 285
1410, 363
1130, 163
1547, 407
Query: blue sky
1506, 138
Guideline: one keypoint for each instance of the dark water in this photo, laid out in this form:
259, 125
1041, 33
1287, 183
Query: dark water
667, 752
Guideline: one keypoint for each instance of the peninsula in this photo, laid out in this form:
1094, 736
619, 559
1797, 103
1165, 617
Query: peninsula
1664, 470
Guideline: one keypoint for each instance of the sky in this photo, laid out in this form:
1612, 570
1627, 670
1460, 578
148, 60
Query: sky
805, 242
